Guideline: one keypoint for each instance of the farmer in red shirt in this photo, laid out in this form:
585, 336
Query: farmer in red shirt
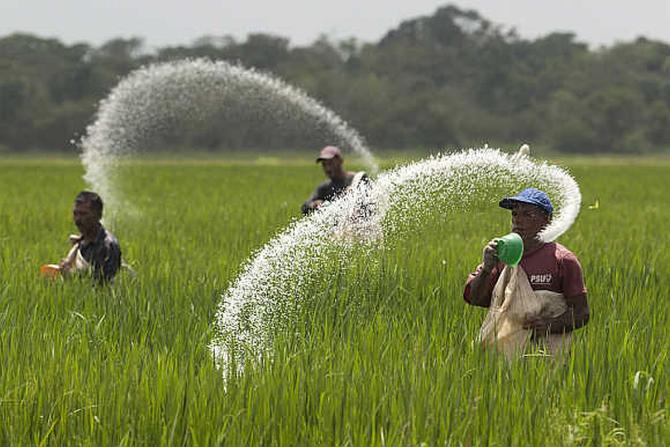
549, 266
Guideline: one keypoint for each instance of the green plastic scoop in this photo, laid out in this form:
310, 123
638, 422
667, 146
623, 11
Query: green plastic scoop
510, 248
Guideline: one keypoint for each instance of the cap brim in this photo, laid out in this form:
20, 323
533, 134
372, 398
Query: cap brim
508, 202
325, 158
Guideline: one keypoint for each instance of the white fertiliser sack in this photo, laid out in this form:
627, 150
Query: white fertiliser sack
513, 302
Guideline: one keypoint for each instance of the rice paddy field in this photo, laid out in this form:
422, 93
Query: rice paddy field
384, 354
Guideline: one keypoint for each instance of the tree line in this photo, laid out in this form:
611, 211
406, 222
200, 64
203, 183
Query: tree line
451, 79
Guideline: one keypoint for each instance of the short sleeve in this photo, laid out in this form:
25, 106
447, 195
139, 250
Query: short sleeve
572, 278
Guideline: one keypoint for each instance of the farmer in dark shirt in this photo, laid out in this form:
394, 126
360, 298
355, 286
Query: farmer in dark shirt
332, 162
94, 250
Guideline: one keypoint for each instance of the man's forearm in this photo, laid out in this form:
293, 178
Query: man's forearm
480, 293
571, 319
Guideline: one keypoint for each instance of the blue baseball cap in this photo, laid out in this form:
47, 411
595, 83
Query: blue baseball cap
532, 196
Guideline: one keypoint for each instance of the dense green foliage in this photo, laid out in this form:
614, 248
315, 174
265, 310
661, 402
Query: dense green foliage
450, 79
382, 356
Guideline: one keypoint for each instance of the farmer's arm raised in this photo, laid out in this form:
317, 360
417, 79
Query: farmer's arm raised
479, 288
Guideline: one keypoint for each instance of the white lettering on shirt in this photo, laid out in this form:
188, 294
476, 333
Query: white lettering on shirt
543, 279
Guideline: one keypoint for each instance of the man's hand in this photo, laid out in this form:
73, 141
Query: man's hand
537, 324
480, 287
490, 256
314, 204
576, 316
65, 266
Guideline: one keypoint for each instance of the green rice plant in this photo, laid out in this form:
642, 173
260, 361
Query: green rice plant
382, 352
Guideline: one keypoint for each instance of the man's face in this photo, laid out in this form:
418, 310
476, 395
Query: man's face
528, 220
84, 216
332, 166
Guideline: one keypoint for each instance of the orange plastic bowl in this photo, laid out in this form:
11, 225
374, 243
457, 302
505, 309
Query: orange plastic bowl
50, 270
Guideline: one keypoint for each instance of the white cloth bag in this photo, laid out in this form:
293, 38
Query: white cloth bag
513, 302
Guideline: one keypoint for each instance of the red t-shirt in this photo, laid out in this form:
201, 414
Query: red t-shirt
550, 267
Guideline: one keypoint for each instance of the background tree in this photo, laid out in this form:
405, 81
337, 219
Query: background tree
450, 79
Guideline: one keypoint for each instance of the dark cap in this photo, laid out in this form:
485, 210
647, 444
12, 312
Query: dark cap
532, 196
329, 152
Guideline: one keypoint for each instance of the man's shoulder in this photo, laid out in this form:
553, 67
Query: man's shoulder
562, 250
110, 240
555, 251
564, 254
